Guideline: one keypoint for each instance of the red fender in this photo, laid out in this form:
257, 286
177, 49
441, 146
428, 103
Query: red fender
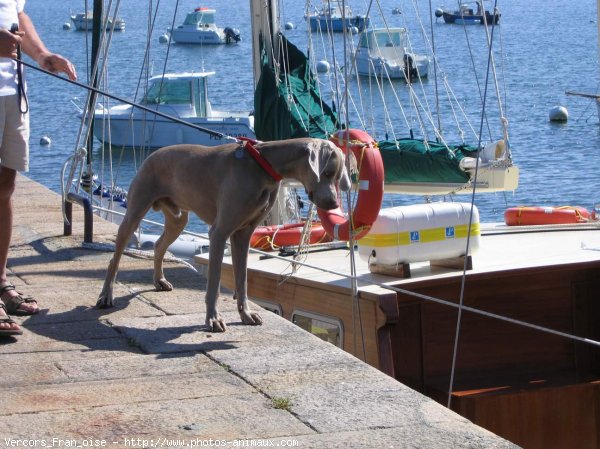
370, 187
267, 238
539, 215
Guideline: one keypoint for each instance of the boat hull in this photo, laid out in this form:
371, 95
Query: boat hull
392, 68
337, 25
461, 19
517, 382
82, 23
197, 36
149, 133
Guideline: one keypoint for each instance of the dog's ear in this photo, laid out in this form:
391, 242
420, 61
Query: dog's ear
315, 157
320, 153
345, 183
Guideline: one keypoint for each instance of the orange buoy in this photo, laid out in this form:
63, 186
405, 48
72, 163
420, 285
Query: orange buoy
538, 215
370, 187
272, 237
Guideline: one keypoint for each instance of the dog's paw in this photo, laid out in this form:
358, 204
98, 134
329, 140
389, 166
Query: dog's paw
104, 302
162, 285
216, 324
251, 318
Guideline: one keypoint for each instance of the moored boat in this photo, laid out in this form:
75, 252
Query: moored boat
199, 27
470, 13
182, 95
84, 22
335, 17
384, 53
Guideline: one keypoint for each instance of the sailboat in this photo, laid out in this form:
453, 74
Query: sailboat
522, 299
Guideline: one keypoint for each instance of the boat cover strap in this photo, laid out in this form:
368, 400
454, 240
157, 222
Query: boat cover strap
252, 151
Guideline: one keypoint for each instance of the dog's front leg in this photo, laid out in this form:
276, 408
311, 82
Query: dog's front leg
215, 258
240, 242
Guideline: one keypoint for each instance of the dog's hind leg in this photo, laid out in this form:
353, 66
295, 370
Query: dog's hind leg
130, 223
174, 225
240, 243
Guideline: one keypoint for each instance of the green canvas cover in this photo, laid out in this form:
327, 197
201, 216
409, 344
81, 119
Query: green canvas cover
410, 160
290, 106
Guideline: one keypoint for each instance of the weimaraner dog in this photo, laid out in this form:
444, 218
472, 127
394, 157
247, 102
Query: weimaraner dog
230, 191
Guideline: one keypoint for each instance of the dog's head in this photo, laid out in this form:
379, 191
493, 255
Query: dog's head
327, 173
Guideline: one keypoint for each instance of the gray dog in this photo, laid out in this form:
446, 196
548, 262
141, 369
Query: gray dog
230, 191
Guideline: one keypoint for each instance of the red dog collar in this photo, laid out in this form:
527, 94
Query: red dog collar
252, 151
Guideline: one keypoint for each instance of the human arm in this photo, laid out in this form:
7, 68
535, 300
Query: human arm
33, 46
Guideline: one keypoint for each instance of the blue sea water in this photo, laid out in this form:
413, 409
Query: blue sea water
547, 47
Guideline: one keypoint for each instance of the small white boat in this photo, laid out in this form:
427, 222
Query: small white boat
333, 17
383, 52
85, 22
181, 95
199, 28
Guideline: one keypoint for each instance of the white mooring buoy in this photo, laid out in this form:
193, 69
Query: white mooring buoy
45, 140
163, 38
322, 66
558, 114
66, 26
289, 26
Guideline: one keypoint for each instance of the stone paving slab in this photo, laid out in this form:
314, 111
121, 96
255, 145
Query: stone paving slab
248, 415
148, 369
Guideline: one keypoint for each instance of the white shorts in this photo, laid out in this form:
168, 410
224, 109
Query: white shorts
14, 135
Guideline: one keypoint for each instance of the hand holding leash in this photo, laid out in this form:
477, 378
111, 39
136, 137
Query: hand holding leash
9, 42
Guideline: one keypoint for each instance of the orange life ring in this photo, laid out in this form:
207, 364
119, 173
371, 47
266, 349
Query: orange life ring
272, 237
370, 187
537, 215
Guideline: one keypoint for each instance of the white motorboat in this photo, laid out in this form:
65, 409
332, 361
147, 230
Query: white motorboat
199, 28
383, 52
85, 22
180, 95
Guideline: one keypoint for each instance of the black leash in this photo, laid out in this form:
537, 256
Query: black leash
21, 94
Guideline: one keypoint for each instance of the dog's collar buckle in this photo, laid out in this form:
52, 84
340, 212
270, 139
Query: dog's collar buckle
252, 151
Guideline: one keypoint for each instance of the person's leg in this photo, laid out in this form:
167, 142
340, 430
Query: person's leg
14, 157
7, 187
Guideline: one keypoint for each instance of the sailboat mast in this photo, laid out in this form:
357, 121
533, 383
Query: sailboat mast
265, 26
94, 82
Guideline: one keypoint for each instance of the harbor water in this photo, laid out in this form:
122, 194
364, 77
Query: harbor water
546, 47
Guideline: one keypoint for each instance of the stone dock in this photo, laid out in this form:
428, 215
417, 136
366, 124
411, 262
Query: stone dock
147, 373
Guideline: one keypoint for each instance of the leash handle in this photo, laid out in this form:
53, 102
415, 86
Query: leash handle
21, 94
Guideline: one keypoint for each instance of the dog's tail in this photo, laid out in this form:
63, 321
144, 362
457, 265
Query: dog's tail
167, 207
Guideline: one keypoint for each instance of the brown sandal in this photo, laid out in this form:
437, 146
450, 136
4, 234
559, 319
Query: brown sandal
8, 320
14, 302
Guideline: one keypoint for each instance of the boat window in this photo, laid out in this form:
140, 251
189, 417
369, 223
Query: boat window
268, 305
326, 328
382, 39
171, 92
200, 17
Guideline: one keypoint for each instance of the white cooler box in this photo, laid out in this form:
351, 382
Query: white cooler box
419, 233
